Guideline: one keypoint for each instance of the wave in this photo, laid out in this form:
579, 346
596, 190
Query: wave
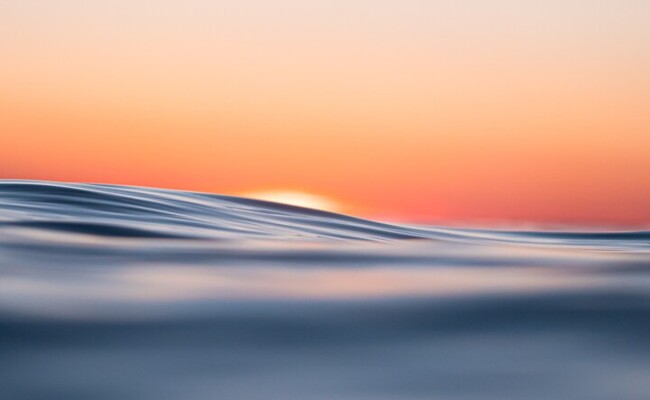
123, 292
112, 210
138, 212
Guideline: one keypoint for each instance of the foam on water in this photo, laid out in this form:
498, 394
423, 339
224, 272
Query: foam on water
123, 292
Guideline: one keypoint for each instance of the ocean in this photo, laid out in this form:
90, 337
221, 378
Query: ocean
120, 292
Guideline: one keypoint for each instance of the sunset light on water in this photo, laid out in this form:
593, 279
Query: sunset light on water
296, 198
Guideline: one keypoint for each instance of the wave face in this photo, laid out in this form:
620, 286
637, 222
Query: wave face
119, 292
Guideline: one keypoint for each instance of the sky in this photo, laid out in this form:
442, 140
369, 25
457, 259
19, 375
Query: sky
465, 111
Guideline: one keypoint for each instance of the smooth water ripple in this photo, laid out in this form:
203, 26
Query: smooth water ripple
116, 292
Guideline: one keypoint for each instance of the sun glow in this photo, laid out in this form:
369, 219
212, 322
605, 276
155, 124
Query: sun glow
296, 198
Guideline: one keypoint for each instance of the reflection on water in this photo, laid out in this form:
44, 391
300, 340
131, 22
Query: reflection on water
115, 292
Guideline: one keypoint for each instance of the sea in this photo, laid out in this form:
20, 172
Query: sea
133, 293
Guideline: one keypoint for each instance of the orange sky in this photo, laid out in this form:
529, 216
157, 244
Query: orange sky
447, 111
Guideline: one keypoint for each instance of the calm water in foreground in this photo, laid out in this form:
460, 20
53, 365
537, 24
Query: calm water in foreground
110, 292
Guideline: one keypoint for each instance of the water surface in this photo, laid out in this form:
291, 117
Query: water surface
115, 292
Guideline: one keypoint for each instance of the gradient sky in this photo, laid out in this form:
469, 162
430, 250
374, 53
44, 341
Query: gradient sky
483, 111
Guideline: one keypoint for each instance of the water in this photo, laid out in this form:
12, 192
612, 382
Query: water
113, 292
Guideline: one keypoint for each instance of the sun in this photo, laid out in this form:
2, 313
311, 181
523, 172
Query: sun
295, 198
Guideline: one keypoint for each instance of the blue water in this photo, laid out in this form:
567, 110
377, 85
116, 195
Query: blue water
115, 292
